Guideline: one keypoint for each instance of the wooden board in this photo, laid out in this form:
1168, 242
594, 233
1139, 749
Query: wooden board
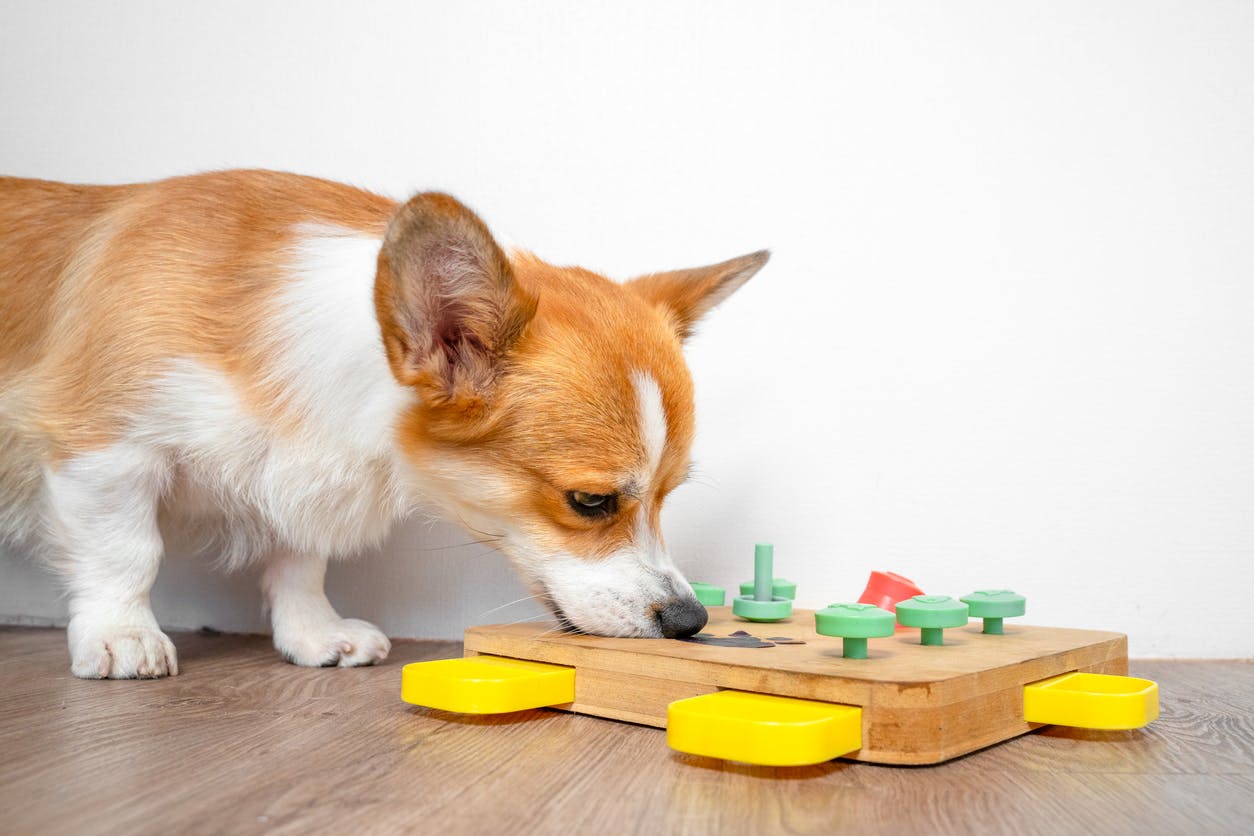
920, 705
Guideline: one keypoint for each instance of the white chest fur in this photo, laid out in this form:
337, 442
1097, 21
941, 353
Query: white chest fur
327, 478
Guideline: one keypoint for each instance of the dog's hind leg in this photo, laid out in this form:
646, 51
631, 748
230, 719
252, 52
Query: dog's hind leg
307, 629
102, 518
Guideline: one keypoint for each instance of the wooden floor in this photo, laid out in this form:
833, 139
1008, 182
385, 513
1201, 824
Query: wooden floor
241, 742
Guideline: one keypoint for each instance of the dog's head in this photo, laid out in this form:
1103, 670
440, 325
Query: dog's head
554, 411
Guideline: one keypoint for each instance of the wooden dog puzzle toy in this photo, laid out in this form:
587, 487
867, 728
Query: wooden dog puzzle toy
813, 686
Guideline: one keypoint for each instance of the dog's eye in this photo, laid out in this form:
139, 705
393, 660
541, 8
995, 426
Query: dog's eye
592, 504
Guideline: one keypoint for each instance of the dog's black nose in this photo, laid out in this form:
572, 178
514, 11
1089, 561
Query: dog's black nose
681, 617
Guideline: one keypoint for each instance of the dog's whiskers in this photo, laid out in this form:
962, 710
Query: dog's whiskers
535, 597
448, 546
482, 534
534, 618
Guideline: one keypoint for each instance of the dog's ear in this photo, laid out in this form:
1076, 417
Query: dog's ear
448, 305
687, 295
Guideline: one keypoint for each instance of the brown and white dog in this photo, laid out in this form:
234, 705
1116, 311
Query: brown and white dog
293, 365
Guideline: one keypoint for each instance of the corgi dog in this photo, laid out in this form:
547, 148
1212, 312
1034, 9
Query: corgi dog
289, 365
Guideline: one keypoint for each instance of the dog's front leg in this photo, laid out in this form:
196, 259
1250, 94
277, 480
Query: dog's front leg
307, 629
103, 518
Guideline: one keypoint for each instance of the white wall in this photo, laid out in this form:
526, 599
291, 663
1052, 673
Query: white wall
1005, 338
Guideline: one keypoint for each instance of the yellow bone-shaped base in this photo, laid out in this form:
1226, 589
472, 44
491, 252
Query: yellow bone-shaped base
486, 684
1091, 701
763, 728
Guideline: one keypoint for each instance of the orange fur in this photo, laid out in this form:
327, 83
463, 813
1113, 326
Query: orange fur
102, 283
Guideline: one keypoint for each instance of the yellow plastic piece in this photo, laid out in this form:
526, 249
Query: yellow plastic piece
1092, 701
486, 684
763, 729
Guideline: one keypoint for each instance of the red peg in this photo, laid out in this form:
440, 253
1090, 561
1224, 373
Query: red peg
885, 589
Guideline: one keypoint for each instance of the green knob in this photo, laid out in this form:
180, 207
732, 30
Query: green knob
993, 605
854, 623
932, 614
762, 605
779, 588
708, 594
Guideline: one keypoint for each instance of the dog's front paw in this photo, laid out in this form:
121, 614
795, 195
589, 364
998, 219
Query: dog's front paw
121, 651
344, 642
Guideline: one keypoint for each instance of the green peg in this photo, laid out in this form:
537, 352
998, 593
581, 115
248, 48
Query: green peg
763, 604
854, 624
993, 605
708, 594
932, 614
779, 587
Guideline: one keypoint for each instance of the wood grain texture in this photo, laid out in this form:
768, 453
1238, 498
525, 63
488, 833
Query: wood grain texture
920, 705
241, 742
